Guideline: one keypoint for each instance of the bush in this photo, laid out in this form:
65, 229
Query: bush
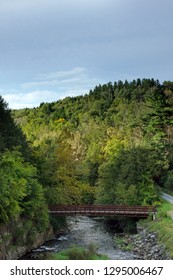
79, 253
169, 181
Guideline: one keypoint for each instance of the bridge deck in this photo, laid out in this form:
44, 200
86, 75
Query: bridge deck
102, 210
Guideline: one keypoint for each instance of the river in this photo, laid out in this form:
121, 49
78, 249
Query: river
83, 231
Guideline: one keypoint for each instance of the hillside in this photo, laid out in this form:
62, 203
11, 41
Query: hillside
112, 145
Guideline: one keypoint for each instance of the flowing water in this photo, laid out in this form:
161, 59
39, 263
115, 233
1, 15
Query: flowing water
83, 231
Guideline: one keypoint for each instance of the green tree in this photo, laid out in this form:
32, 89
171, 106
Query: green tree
21, 194
128, 178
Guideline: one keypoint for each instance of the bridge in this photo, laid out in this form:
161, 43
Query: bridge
103, 210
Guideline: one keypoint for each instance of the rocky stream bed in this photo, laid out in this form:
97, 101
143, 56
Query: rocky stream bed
144, 245
84, 231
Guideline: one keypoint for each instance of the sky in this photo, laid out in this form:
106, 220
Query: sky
50, 49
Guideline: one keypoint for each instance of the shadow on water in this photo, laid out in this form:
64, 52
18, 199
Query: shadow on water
84, 231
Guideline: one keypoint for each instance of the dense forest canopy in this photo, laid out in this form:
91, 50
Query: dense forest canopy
112, 145
21, 194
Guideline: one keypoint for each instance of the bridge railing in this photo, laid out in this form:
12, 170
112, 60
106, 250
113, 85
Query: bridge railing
133, 210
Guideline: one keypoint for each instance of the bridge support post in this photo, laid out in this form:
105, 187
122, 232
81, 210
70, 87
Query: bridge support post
154, 216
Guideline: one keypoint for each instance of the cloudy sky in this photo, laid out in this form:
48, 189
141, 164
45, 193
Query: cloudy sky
50, 49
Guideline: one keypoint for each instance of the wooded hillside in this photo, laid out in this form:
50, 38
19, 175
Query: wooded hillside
112, 145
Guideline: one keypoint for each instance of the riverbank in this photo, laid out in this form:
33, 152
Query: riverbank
144, 244
152, 241
154, 238
19, 237
84, 232
163, 226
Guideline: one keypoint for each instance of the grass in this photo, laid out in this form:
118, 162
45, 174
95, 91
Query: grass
123, 244
78, 253
163, 226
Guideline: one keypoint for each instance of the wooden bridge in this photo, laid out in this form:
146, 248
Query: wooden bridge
103, 210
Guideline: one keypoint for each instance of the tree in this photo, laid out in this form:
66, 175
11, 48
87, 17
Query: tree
156, 123
128, 178
10, 134
21, 194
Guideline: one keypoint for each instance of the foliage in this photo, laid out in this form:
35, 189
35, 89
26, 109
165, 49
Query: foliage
112, 145
128, 178
79, 253
115, 142
11, 134
163, 226
123, 243
21, 194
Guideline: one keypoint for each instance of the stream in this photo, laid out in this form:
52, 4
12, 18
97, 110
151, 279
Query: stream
83, 231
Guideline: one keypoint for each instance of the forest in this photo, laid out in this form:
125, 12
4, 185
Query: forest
112, 145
